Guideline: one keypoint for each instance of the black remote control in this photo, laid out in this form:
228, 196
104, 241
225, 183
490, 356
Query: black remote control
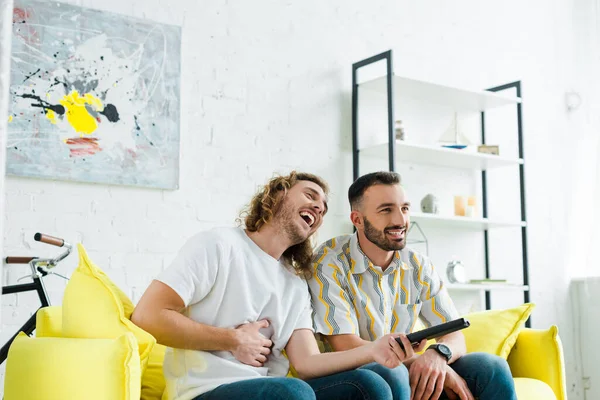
435, 331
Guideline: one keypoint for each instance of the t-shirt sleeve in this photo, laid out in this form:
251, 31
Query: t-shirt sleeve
193, 272
305, 319
334, 312
437, 306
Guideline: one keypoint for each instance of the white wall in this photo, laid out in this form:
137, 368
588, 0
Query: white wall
266, 87
5, 47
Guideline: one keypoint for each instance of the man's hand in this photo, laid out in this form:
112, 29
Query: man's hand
427, 376
387, 351
456, 387
252, 347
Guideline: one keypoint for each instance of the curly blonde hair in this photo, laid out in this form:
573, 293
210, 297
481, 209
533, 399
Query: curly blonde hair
265, 204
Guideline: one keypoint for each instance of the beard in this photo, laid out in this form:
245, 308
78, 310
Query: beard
286, 219
380, 239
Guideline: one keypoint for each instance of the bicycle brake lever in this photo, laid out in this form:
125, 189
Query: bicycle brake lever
59, 275
23, 277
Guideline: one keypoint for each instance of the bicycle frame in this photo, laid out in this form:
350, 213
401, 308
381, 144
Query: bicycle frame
37, 266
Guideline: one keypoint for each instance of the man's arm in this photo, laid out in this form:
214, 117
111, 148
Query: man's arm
159, 313
345, 342
304, 355
456, 342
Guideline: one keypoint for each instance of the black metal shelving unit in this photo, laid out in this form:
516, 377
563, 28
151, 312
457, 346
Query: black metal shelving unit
387, 58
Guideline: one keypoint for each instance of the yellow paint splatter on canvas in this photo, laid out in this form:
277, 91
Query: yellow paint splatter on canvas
77, 114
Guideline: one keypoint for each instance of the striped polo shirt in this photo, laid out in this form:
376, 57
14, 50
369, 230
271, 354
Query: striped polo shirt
352, 295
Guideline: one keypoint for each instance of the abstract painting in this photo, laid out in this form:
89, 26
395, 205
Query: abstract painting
94, 97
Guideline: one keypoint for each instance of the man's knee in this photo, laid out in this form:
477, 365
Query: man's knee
494, 363
492, 368
489, 376
290, 388
398, 375
369, 384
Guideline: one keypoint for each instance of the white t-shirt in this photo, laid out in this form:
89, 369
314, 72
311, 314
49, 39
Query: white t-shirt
225, 280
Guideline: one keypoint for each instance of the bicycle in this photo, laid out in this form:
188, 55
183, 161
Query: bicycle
39, 269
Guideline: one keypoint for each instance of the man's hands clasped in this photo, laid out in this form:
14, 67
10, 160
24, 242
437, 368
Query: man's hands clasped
430, 375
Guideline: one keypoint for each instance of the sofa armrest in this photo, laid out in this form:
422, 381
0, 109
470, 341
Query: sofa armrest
48, 322
50, 368
538, 354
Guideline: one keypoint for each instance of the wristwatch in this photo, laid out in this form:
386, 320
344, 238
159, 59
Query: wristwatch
442, 349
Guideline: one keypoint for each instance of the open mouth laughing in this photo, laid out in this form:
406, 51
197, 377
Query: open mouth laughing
309, 217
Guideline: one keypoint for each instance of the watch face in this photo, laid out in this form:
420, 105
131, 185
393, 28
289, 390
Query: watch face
445, 350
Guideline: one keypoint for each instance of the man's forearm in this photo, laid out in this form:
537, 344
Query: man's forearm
173, 329
324, 364
456, 342
345, 342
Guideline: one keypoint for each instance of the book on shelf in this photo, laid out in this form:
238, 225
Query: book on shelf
488, 281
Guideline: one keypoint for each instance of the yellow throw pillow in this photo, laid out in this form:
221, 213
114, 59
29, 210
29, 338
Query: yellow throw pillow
94, 307
153, 380
53, 368
49, 322
496, 331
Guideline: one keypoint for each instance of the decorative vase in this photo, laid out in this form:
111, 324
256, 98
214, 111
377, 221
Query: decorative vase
429, 204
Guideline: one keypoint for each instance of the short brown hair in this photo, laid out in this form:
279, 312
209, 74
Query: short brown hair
358, 188
265, 204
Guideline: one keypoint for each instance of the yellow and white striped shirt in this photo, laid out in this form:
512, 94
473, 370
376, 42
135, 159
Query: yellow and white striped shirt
351, 295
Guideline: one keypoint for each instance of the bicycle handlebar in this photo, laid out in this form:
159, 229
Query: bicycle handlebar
40, 237
44, 262
19, 260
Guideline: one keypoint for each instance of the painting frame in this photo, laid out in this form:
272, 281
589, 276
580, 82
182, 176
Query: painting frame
95, 97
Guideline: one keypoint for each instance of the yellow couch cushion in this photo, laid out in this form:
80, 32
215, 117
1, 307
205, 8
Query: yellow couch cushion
496, 331
533, 389
94, 307
153, 380
48, 322
37, 369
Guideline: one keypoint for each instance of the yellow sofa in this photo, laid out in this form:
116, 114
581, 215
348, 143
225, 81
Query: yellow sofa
536, 362
88, 349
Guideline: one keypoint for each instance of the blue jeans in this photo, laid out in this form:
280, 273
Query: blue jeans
487, 376
357, 384
396, 379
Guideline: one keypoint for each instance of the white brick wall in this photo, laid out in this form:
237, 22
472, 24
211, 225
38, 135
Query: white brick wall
266, 87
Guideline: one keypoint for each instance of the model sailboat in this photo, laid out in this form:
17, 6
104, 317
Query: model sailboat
454, 138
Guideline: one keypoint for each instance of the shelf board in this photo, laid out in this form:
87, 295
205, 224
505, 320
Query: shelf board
441, 156
462, 222
486, 286
458, 99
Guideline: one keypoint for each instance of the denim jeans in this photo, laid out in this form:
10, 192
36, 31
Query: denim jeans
357, 384
396, 379
487, 376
